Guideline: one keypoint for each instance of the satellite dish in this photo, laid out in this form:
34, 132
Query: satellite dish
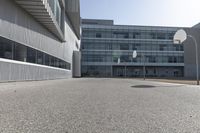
134, 54
180, 36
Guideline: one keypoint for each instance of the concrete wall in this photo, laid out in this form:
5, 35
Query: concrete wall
189, 55
17, 25
19, 71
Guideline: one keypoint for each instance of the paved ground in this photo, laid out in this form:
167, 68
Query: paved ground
99, 106
181, 81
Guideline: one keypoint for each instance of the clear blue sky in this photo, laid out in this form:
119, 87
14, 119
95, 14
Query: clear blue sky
144, 12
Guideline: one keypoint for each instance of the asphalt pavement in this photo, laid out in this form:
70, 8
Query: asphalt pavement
90, 105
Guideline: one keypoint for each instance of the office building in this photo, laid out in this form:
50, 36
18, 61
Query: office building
107, 50
39, 39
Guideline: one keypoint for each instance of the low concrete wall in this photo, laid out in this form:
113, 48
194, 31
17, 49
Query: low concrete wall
20, 71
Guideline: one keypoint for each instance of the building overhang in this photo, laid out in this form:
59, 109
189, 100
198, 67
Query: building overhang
72, 8
41, 11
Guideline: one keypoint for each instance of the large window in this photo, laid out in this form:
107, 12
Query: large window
98, 35
58, 12
121, 34
19, 52
124, 47
6, 48
31, 55
40, 58
161, 36
56, 9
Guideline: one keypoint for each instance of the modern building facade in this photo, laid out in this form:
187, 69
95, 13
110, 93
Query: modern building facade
107, 50
39, 39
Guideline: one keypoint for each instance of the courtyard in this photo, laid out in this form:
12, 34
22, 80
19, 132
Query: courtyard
89, 105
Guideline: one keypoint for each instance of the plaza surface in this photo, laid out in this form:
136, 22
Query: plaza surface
99, 106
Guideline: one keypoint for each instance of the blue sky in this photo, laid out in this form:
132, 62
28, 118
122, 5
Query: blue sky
144, 12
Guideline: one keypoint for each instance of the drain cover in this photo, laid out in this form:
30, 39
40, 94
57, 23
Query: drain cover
143, 86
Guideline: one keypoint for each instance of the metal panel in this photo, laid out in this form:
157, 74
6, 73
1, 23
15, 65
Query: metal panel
41, 11
20, 71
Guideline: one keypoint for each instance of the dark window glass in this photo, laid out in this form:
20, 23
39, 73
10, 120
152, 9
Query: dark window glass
47, 60
124, 47
6, 49
181, 48
162, 47
20, 52
153, 36
161, 36
125, 58
31, 55
40, 58
152, 59
171, 36
56, 62
52, 61
136, 35
98, 35
121, 35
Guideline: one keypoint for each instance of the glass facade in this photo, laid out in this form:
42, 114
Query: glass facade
15, 51
103, 47
56, 9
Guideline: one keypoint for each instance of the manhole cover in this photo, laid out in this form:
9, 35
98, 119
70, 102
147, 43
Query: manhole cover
143, 86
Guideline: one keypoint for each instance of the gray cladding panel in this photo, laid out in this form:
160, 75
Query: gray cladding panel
189, 54
20, 72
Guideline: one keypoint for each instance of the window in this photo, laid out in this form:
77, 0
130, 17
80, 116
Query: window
40, 58
172, 59
161, 36
47, 60
124, 47
137, 46
12, 50
125, 58
56, 9
162, 47
136, 35
31, 55
6, 50
153, 36
58, 13
20, 52
152, 59
98, 35
52, 61
121, 35
170, 36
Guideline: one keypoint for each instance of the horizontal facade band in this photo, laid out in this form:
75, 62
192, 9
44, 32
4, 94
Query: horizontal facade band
131, 64
30, 64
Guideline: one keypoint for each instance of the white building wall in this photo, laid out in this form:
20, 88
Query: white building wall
19, 71
17, 25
